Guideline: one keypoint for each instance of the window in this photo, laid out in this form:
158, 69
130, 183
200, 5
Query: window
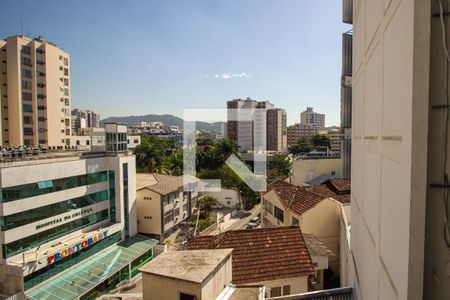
40, 96
66, 61
42, 130
41, 119
27, 108
66, 71
168, 217
26, 73
333, 173
26, 84
286, 290
275, 292
40, 51
184, 296
40, 85
40, 74
43, 212
60, 184
279, 214
176, 211
26, 61
26, 96
66, 82
26, 50
27, 119
27, 131
295, 221
66, 92
40, 62
41, 107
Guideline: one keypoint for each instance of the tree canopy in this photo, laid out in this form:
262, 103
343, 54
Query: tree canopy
302, 146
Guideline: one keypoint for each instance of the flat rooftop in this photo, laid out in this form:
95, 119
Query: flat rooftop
51, 157
190, 265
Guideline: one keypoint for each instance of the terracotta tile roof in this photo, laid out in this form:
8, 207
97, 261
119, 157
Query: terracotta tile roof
261, 254
162, 184
341, 185
300, 199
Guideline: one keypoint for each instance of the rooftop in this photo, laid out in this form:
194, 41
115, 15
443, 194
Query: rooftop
160, 183
194, 266
300, 199
261, 254
315, 246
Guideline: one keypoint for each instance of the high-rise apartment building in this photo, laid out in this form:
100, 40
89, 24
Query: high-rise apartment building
245, 131
299, 131
35, 89
276, 130
310, 117
400, 236
84, 119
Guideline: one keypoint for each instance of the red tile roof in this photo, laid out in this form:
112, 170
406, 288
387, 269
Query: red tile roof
261, 254
300, 199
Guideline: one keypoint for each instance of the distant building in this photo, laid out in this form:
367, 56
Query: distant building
244, 132
84, 119
35, 89
309, 117
276, 130
335, 135
299, 131
306, 168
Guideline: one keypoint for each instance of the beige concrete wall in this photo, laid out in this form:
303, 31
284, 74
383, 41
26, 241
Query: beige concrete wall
15, 133
225, 196
323, 220
306, 169
298, 284
159, 287
156, 287
148, 208
390, 92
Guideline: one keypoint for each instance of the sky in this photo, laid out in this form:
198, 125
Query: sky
143, 57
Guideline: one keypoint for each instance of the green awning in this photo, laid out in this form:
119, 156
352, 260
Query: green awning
92, 272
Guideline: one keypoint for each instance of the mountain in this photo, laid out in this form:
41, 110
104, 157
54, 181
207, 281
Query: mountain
166, 119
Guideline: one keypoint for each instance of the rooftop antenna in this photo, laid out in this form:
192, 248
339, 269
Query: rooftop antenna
21, 26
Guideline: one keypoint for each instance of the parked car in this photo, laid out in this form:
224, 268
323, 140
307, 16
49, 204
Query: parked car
254, 222
249, 226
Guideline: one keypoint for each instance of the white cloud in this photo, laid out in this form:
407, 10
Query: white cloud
228, 76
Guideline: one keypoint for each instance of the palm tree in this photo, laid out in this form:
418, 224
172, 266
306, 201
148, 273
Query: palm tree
149, 156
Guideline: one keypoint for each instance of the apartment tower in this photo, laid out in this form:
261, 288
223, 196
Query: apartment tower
35, 89
276, 130
310, 117
243, 131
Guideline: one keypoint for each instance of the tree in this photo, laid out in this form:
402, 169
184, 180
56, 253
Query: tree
173, 164
321, 140
149, 155
301, 147
206, 203
278, 167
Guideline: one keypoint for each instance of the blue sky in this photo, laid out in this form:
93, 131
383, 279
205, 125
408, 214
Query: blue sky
140, 57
